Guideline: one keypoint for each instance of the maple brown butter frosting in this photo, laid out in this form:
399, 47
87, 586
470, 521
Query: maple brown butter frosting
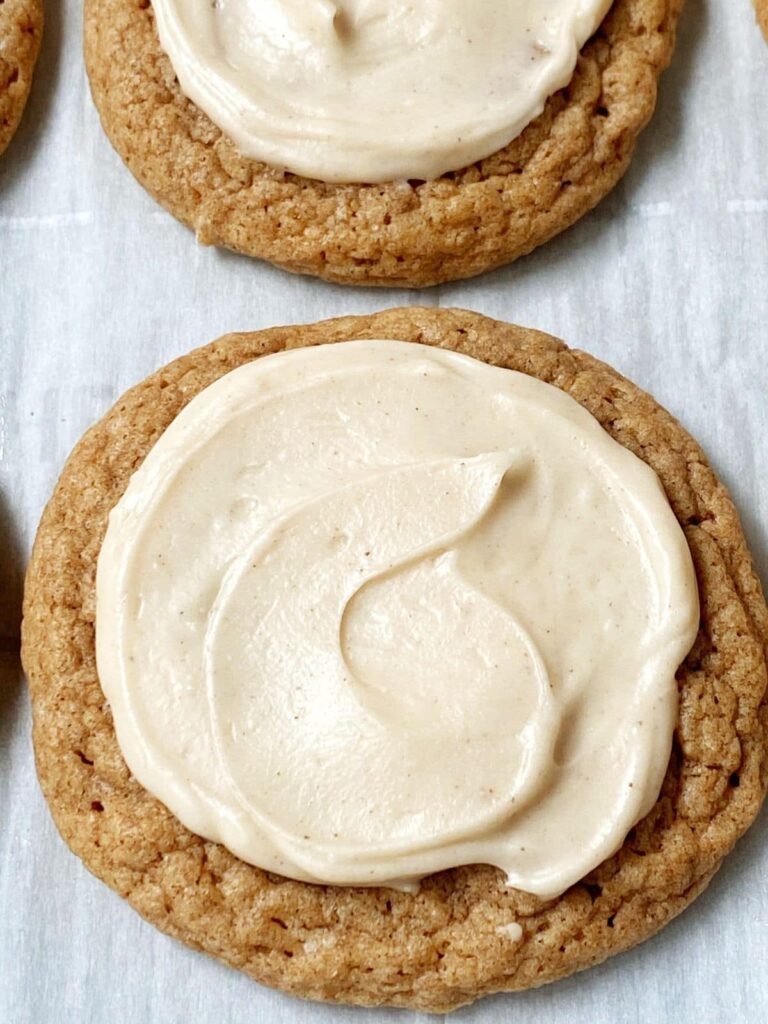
373, 610
373, 91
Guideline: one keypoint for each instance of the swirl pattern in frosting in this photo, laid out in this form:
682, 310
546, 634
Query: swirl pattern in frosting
372, 610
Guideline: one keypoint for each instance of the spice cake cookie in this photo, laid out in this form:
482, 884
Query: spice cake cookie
401, 231
21, 30
761, 6
464, 932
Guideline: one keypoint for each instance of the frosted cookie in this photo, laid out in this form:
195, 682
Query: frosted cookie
463, 931
21, 30
506, 194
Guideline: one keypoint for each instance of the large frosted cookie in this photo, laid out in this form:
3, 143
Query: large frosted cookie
464, 933
21, 30
404, 233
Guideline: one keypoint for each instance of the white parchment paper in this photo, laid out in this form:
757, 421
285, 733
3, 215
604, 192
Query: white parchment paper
667, 280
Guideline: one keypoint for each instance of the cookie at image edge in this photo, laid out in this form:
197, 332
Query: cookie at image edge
449, 943
761, 7
21, 31
403, 233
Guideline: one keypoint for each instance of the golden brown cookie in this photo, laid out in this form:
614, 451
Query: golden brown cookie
761, 6
445, 945
404, 233
21, 31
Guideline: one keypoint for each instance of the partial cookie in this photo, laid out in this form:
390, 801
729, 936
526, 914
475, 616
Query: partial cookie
450, 942
404, 233
21, 31
761, 6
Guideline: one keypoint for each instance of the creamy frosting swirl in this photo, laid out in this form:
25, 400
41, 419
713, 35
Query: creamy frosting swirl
373, 90
374, 609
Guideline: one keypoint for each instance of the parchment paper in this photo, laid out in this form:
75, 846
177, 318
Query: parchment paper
667, 280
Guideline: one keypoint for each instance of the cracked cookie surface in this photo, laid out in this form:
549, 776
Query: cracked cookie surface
399, 234
456, 939
21, 31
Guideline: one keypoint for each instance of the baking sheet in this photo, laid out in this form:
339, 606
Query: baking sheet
667, 280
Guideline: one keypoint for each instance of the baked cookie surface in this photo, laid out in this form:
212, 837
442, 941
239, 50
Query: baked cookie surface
398, 234
21, 31
450, 942
761, 7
